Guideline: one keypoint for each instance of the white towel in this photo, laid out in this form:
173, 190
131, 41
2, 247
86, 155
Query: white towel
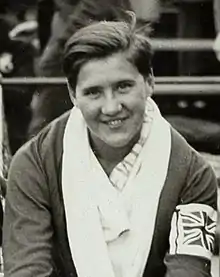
97, 214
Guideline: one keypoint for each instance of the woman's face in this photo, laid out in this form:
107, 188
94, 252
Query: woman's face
111, 95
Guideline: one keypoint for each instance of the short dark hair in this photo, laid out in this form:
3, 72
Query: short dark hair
103, 39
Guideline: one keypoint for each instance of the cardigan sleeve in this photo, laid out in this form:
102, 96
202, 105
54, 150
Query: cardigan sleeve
193, 225
27, 228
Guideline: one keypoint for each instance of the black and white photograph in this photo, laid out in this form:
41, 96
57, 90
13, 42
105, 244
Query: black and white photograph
109, 138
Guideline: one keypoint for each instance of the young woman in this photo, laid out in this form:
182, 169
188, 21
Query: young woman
110, 188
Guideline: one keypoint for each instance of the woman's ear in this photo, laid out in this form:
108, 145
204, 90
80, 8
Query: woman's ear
71, 94
150, 82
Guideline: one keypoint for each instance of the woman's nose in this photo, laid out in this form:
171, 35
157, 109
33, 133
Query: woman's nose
111, 106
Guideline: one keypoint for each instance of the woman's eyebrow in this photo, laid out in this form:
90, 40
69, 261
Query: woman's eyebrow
86, 89
125, 81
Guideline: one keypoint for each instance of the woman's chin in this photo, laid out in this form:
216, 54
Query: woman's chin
117, 142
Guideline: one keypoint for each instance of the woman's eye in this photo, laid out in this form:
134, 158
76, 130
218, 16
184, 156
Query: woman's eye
125, 86
93, 92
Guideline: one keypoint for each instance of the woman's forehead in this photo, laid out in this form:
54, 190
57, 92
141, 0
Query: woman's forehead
109, 69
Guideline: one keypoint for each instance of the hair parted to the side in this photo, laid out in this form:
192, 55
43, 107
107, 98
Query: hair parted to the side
103, 39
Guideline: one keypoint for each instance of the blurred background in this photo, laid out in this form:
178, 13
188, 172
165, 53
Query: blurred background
186, 41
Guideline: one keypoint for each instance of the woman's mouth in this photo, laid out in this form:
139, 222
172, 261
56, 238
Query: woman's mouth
115, 123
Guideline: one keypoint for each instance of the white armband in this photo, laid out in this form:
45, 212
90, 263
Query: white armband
193, 230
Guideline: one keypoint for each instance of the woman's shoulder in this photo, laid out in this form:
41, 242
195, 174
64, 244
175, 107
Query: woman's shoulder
181, 149
46, 146
184, 159
187, 163
52, 135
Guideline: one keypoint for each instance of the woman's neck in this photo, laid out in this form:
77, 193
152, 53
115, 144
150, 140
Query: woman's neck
111, 155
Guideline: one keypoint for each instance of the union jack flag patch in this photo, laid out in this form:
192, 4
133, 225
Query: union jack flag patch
193, 230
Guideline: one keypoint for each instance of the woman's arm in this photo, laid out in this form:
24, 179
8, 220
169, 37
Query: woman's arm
27, 228
193, 225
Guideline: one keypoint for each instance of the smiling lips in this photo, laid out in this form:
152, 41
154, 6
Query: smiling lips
115, 123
